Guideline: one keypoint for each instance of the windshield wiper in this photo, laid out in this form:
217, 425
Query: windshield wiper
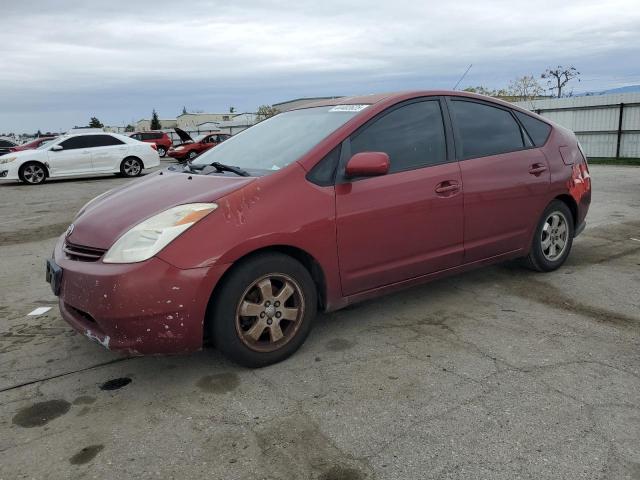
221, 167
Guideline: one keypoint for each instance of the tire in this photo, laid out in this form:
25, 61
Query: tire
33, 173
131, 167
192, 154
162, 152
253, 339
552, 239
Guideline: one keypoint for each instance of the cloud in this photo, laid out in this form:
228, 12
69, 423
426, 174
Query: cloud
65, 61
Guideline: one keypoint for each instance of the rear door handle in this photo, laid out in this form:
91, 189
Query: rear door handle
448, 186
537, 169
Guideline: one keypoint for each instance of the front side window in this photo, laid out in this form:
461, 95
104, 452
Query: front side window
280, 140
485, 130
74, 143
412, 136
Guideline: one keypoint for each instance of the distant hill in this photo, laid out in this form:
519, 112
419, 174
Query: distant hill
627, 89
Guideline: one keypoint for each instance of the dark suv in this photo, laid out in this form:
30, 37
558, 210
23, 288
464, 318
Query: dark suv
161, 139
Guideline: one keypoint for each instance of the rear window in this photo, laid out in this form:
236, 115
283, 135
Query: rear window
485, 130
538, 130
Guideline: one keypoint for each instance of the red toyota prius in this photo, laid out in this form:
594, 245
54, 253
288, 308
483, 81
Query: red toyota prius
315, 209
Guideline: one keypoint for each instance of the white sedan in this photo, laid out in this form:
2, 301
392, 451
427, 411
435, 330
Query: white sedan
79, 154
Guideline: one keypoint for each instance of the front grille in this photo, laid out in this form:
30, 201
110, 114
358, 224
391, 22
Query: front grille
81, 253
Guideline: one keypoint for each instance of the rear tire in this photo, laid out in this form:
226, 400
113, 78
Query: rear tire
131, 167
264, 310
552, 239
162, 152
33, 173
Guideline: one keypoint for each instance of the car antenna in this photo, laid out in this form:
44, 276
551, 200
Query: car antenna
463, 75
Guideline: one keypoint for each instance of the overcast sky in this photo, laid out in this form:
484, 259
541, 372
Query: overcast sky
62, 62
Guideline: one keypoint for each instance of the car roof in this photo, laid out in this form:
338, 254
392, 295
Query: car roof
394, 97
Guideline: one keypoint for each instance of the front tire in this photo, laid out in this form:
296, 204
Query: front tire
131, 167
33, 173
192, 154
264, 310
552, 239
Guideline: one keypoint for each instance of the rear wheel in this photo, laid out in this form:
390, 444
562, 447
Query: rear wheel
553, 238
33, 173
264, 310
131, 167
162, 151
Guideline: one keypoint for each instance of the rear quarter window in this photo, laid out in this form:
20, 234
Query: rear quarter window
538, 130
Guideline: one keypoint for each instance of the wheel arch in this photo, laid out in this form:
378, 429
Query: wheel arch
570, 202
305, 258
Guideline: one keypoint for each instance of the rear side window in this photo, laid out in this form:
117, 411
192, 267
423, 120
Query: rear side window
485, 130
538, 130
74, 143
412, 136
102, 141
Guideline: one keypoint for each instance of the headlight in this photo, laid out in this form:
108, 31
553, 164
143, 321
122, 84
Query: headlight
153, 234
5, 159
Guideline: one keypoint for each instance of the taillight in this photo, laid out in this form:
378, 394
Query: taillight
154, 146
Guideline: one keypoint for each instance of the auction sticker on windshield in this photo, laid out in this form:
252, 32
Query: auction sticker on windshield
348, 108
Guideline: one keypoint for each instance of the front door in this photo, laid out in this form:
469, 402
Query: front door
408, 222
506, 179
73, 159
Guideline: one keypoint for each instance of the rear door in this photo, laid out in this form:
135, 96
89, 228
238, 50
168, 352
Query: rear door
408, 222
107, 152
73, 159
506, 179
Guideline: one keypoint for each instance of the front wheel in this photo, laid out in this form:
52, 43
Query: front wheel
553, 238
264, 310
32, 173
192, 154
131, 167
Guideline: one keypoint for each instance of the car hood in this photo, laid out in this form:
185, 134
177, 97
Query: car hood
101, 222
184, 136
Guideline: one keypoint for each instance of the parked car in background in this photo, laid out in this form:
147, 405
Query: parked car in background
31, 145
190, 148
160, 139
6, 145
318, 208
79, 154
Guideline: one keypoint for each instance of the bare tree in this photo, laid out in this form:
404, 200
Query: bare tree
558, 77
526, 88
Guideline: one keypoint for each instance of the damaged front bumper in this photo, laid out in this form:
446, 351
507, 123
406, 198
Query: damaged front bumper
151, 307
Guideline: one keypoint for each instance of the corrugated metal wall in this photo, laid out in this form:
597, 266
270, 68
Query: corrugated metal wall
596, 121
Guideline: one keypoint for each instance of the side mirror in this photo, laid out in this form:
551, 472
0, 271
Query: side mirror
57, 148
367, 164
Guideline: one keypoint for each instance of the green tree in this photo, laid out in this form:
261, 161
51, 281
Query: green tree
232, 109
39, 134
184, 110
95, 123
266, 111
155, 121
129, 128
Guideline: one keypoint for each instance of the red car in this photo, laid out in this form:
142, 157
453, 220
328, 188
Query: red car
190, 148
32, 145
161, 140
315, 209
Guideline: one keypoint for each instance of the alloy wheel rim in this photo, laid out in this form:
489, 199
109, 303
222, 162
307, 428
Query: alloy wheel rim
131, 167
270, 312
33, 174
554, 236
